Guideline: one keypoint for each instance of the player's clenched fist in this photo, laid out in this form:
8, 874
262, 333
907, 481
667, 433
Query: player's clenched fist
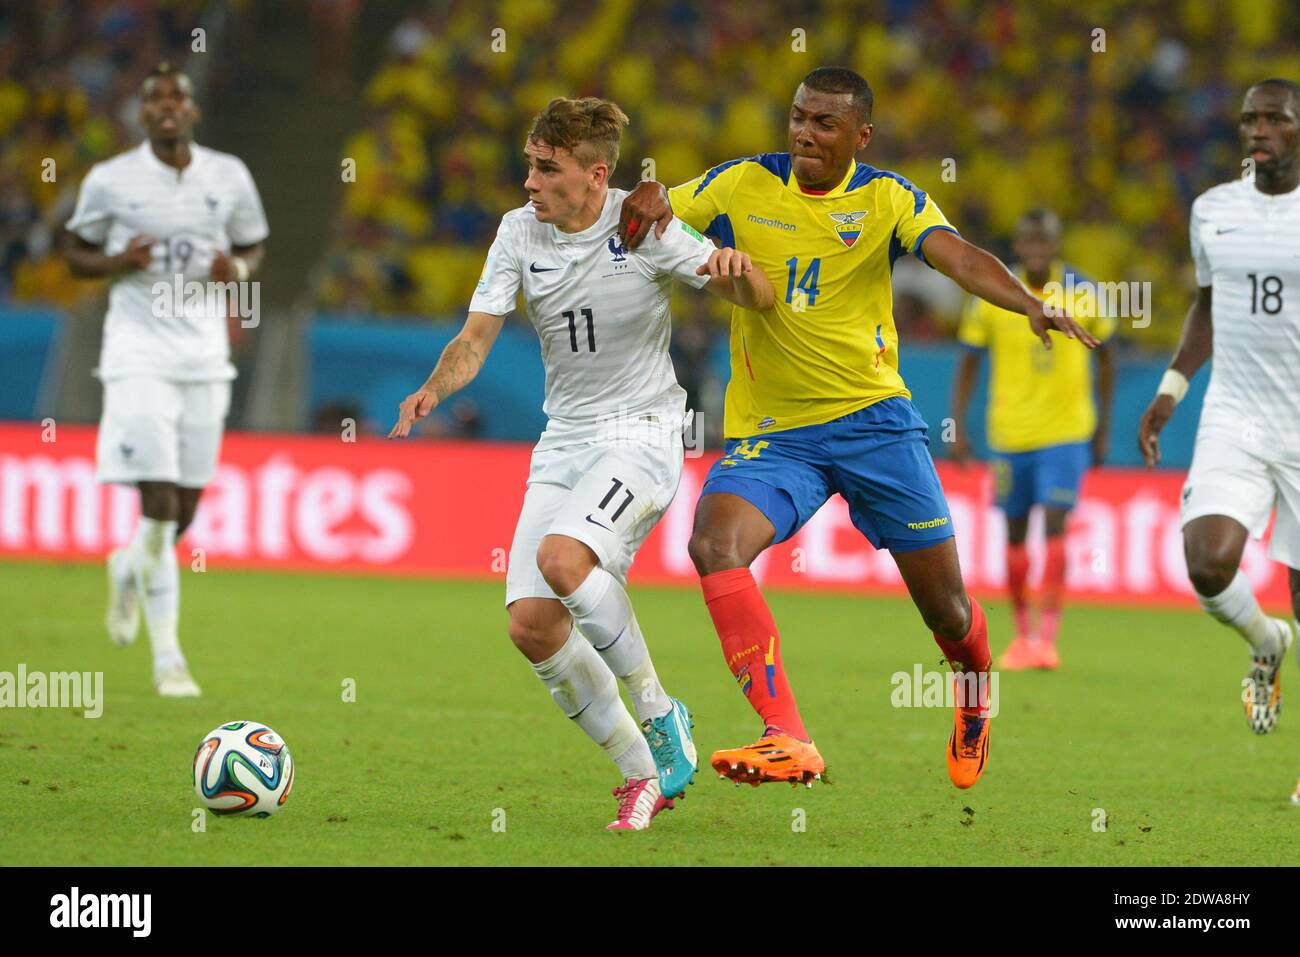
726, 263
414, 408
138, 254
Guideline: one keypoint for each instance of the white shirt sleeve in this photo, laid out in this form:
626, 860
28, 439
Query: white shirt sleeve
93, 216
1204, 275
247, 224
679, 253
498, 286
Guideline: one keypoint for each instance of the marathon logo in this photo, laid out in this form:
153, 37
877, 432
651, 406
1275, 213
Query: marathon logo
932, 523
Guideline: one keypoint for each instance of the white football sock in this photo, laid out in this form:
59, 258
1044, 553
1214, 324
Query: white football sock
153, 556
1237, 608
603, 613
585, 689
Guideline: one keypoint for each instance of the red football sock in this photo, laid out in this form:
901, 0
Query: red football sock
1018, 586
750, 645
1053, 587
970, 656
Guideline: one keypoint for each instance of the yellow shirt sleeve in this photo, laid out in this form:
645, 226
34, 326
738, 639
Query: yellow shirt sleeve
917, 216
701, 200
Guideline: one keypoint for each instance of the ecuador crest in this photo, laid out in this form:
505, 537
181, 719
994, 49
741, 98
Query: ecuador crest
848, 226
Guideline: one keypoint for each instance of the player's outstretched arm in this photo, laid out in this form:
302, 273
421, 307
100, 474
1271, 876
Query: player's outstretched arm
982, 274
645, 206
456, 368
733, 277
88, 261
1194, 348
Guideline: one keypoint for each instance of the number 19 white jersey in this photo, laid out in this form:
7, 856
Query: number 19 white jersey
1246, 246
191, 213
601, 313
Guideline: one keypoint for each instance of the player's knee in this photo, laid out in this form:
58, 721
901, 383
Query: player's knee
949, 618
159, 501
1210, 570
564, 562
712, 552
529, 637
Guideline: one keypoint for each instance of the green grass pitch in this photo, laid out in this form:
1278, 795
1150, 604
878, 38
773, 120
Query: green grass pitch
449, 725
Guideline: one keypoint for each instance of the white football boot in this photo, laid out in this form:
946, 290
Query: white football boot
176, 683
1262, 692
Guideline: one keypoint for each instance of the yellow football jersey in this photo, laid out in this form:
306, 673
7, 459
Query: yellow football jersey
829, 346
1037, 397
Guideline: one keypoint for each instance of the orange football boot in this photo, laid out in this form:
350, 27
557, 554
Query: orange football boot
968, 749
1048, 657
1021, 655
776, 756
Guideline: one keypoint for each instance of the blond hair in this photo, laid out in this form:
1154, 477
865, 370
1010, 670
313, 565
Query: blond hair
589, 127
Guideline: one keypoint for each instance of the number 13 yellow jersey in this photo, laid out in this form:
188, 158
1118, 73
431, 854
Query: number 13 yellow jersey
828, 347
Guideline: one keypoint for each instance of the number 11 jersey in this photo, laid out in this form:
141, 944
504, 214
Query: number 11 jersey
601, 313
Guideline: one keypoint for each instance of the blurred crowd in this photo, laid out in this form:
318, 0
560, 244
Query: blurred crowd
70, 72
1116, 115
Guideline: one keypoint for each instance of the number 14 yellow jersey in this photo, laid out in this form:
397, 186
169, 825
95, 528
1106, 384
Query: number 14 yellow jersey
828, 347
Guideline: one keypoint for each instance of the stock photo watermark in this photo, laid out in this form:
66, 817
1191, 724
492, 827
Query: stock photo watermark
178, 296
920, 688
77, 690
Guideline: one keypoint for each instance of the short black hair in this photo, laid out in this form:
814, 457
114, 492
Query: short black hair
1043, 218
840, 79
166, 69
1291, 86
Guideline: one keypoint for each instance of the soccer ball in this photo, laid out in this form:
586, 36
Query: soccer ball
243, 768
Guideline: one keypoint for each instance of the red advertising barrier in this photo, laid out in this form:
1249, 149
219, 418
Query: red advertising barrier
421, 507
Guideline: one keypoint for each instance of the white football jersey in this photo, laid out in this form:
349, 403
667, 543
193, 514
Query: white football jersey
191, 213
1246, 246
601, 313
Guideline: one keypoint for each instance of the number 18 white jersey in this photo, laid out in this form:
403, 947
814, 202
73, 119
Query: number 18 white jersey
1246, 246
601, 313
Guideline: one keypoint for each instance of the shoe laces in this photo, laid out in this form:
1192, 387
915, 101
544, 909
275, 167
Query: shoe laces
970, 736
660, 741
627, 796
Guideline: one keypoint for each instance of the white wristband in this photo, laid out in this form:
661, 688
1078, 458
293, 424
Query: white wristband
1174, 385
241, 268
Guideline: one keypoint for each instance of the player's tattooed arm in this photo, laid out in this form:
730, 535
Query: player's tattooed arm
982, 274
733, 277
456, 368
1194, 348
88, 261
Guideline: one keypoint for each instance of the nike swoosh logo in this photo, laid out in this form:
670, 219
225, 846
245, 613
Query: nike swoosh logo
1234, 229
533, 268
600, 524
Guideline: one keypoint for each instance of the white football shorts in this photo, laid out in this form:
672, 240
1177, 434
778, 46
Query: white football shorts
1226, 478
158, 430
609, 498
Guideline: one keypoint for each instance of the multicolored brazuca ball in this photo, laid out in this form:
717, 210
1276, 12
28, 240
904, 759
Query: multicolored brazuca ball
243, 768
